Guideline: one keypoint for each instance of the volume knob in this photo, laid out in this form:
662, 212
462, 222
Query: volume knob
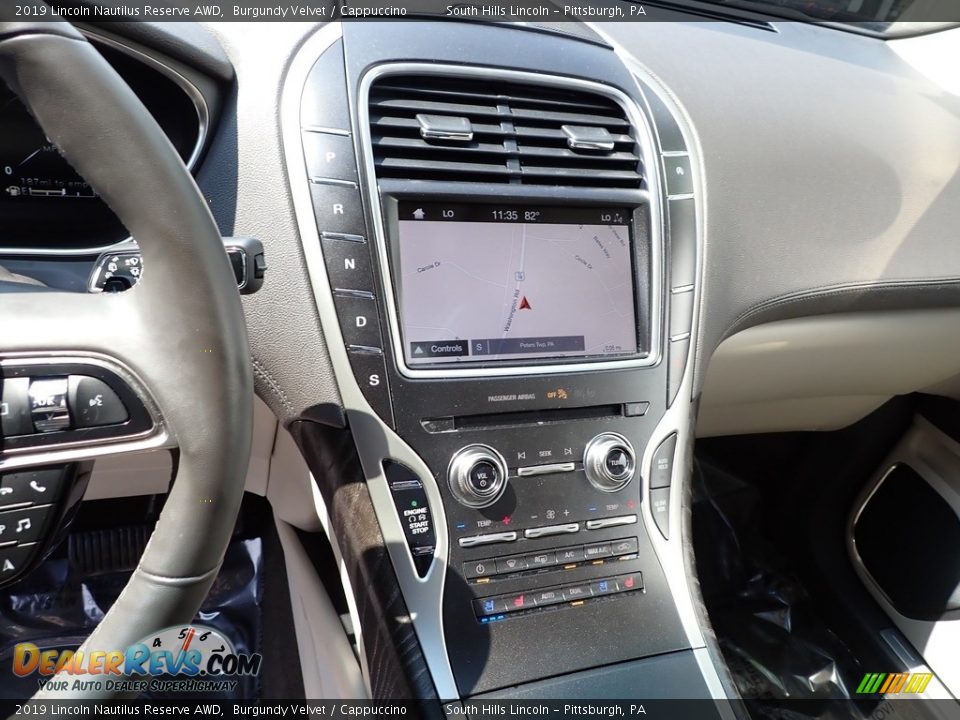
609, 462
477, 476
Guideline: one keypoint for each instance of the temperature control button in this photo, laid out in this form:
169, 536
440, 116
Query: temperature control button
609, 462
477, 476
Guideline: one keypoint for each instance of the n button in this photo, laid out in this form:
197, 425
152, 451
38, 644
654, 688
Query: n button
348, 261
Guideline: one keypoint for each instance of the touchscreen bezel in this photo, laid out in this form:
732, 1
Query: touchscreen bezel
643, 258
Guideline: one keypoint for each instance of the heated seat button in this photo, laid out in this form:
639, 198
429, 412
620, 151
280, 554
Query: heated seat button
94, 403
24, 525
485, 607
15, 407
30, 486
520, 601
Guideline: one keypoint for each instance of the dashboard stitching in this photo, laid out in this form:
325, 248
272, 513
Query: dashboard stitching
264, 374
834, 291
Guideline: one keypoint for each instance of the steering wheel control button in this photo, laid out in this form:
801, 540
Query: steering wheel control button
370, 371
601, 523
24, 525
348, 264
609, 462
661, 468
679, 176
488, 539
477, 476
329, 155
337, 205
660, 508
30, 487
14, 560
94, 403
413, 509
48, 405
15, 417
358, 318
548, 530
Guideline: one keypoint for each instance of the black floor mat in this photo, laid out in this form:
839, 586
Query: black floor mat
58, 605
776, 644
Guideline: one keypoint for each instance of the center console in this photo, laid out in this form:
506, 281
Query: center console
505, 261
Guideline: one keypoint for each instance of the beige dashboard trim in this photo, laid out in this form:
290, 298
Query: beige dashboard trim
825, 372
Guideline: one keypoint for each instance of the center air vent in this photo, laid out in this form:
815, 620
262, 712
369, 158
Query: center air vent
459, 130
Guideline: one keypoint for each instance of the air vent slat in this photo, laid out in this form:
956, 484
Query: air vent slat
511, 133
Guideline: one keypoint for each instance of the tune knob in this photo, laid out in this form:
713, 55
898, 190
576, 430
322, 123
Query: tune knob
477, 475
609, 462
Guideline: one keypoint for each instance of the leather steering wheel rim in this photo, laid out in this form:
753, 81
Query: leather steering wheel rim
180, 331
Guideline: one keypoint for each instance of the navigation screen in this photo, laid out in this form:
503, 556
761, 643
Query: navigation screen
484, 283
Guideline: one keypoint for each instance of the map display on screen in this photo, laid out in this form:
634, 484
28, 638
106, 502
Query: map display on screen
480, 283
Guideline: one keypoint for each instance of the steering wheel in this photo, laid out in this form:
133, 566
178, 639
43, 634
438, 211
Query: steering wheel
180, 330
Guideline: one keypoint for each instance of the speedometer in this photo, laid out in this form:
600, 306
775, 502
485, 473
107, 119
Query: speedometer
44, 203
31, 165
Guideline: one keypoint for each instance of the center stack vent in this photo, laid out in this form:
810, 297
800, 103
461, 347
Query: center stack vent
464, 130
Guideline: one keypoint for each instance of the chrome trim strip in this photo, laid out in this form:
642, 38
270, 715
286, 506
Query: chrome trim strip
317, 180
376, 441
141, 54
549, 530
157, 437
491, 539
532, 470
646, 146
602, 523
